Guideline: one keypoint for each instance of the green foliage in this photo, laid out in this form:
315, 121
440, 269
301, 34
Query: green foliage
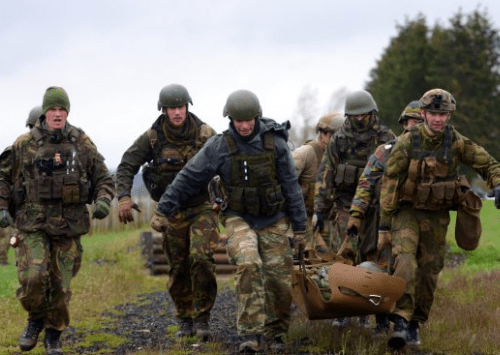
463, 58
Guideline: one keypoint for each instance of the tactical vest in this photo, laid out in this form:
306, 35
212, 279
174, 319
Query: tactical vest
253, 186
310, 185
56, 184
432, 175
353, 158
168, 160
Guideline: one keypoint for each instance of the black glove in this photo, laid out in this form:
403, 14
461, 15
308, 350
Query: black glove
5, 219
318, 221
496, 194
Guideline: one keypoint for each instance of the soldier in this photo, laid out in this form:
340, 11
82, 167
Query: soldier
257, 172
47, 178
191, 235
415, 210
307, 159
6, 233
344, 161
366, 203
34, 116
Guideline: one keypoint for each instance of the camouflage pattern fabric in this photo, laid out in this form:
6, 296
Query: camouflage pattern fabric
5, 234
189, 243
419, 248
263, 277
419, 235
45, 268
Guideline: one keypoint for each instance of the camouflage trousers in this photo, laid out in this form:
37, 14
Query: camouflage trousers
189, 243
351, 250
5, 234
419, 248
45, 267
263, 277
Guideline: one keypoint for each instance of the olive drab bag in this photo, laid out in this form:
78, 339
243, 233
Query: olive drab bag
468, 225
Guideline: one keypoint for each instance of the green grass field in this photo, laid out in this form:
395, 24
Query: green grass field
465, 317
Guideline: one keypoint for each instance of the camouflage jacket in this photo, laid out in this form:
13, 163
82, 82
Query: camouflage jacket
307, 159
46, 180
347, 149
463, 150
368, 189
214, 159
149, 148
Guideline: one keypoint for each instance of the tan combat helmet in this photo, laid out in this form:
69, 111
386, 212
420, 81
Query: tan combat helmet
438, 100
331, 122
411, 111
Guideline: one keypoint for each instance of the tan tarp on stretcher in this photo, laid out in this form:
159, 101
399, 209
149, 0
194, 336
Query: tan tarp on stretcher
355, 291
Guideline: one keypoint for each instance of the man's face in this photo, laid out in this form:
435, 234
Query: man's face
176, 115
410, 122
324, 138
244, 128
56, 117
436, 120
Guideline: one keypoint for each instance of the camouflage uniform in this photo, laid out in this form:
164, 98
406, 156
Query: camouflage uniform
307, 159
257, 238
192, 234
417, 215
5, 234
342, 164
51, 178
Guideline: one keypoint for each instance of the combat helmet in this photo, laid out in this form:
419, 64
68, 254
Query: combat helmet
242, 105
359, 102
438, 100
411, 111
33, 116
174, 95
331, 122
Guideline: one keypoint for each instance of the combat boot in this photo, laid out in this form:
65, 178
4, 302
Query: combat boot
413, 338
397, 339
382, 323
202, 329
28, 339
185, 328
52, 342
250, 344
277, 345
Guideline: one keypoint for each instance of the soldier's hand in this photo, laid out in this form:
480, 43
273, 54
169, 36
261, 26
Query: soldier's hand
101, 208
125, 205
5, 219
318, 221
159, 222
496, 194
299, 241
384, 238
354, 224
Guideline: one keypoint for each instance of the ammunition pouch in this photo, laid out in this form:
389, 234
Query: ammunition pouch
266, 201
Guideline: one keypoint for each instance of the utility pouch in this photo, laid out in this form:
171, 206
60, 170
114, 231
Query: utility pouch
351, 174
274, 200
423, 192
339, 174
437, 196
449, 192
71, 189
45, 187
252, 200
236, 202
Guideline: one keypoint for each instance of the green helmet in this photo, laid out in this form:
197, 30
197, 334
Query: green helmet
242, 105
438, 100
33, 116
411, 111
359, 102
331, 122
173, 95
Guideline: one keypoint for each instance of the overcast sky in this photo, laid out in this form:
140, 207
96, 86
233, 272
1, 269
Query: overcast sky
113, 57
